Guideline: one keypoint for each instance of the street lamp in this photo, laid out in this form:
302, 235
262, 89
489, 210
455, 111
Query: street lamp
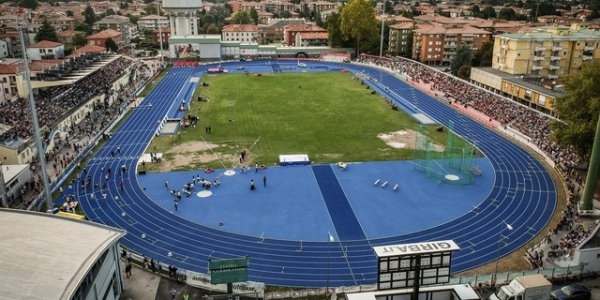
330, 240
510, 228
160, 37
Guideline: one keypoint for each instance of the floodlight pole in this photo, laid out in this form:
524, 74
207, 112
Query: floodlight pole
495, 278
34, 117
160, 37
382, 25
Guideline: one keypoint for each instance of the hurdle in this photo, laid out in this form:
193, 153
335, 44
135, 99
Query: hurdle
376, 182
396, 187
384, 184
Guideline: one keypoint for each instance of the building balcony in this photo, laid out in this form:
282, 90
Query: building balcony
589, 48
555, 58
535, 68
504, 47
554, 67
553, 76
452, 46
557, 48
500, 54
538, 58
538, 49
587, 57
501, 66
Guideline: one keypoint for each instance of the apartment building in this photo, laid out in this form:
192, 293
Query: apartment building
399, 38
120, 24
99, 39
551, 51
304, 35
436, 44
45, 50
152, 22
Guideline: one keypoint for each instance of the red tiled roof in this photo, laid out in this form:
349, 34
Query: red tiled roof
40, 65
240, 28
104, 34
45, 44
8, 69
89, 48
314, 35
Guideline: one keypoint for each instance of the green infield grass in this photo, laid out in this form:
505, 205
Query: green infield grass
329, 116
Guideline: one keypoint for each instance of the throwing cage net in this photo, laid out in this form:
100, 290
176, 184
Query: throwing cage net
450, 165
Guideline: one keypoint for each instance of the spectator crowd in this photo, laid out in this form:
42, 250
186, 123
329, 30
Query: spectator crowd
53, 102
530, 123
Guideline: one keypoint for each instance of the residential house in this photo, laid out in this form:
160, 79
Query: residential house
400, 39
45, 50
102, 6
304, 35
273, 30
8, 80
120, 24
243, 33
66, 37
99, 39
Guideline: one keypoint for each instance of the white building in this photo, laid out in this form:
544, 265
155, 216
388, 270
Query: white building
45, 50
152, 22
45, 256
13, 178
243, 33
3, 49
183, 18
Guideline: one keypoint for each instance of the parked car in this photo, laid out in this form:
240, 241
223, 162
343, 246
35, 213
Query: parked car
571, 292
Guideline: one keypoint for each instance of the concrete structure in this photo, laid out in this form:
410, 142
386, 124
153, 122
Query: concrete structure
183, 19
13, 180
551, 52
51, 257
244, 33
534, 92
45, 50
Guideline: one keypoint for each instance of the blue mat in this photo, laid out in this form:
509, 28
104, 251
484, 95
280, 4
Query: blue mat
344, 220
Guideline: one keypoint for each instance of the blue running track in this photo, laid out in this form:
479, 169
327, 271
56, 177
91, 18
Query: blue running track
283, 227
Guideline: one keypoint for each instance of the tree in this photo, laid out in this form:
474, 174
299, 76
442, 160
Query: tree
89, 15
464, 72
46, 32
151, 9
483, 56
578, 110
333, 30
111, 45
507, 13
30, 4
81, 26
208, 19
79, 40
488, 12
110, 12
254, 15
70, 13
285, 14
212, 29
462, 57
241, 17
358, 21
475, 11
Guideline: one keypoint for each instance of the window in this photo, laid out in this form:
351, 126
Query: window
429, 49
430, 43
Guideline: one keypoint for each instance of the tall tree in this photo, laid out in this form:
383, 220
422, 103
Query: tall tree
241, 17
483, 56
89, 15
488, 12
81, 26
507, 13
31, 4
70, 13
208, 19
578, 110
46, 32
358, 21
254, 15
111, 45
334, 32
79, 40
462, 57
